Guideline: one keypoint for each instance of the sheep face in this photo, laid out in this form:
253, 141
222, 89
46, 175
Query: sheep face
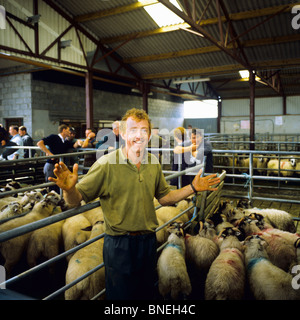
258, 219
176, 228
13, 209
55, 199
255, 247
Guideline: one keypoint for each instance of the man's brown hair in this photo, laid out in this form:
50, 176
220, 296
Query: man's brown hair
136, 114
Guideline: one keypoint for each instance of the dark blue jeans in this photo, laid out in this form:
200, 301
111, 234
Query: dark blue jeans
130, 266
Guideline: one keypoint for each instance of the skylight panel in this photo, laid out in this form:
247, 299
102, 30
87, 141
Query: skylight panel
162, 15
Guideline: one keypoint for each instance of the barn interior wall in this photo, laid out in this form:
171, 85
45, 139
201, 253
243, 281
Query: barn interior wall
44, 105
16, 98
269, 117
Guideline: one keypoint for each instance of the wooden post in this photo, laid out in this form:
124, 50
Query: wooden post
89, 99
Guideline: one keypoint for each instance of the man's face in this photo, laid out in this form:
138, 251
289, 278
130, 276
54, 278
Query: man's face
136, 136
116, 130
196, 138
21, 133
66, 133
87, 132
12, 131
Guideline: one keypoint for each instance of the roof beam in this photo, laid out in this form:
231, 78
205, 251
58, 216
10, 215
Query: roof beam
212, 21
279, 64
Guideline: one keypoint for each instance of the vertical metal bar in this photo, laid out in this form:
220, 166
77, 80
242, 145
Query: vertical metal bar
252, 108
251, 177
89, 99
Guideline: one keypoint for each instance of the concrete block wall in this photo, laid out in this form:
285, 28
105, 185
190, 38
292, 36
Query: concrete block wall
43, 105
52, 102
15, 98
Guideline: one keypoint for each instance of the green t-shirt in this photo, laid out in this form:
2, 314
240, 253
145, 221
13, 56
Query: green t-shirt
126, 193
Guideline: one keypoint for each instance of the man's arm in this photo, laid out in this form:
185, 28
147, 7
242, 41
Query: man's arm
199, 184
42, 146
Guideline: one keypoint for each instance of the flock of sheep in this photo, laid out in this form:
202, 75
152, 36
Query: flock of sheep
239, 253
287, 166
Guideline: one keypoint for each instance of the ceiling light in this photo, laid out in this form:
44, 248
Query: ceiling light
34, 19
191, 80
65, 43
244, 74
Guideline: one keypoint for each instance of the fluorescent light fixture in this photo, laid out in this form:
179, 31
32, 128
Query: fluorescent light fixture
191, 80
162, 15
34, 19
65, 43
244, 74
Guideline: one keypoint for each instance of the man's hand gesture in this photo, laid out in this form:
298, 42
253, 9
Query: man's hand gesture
205, 183
66, 179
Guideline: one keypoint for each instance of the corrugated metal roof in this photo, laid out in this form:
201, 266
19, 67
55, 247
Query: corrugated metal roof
132, 35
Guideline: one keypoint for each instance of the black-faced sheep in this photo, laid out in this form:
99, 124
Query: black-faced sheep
173, 277
226, 276
285, 166
280, 247
267, 282
201, 251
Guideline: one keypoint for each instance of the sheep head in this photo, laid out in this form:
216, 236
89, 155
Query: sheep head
258, 218
176, 228
254, 247
229, 231
244, 203
297, 243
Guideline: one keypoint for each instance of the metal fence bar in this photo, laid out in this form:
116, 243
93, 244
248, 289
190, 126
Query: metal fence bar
4, 236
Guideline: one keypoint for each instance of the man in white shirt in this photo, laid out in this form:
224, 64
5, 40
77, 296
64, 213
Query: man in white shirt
16, 138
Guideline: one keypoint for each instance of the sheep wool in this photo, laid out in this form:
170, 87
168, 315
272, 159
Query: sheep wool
267, 282
83, 261
12, 249
226, 276
172, 272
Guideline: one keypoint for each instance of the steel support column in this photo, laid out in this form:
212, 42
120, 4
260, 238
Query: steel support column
89, 99
252, 108
219, 115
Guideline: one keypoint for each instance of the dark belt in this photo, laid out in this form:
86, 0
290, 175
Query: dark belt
138, 233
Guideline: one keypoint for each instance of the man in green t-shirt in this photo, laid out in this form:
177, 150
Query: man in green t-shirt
126, 181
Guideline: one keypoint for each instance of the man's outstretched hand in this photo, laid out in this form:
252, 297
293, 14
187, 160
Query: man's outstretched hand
205, 183
65, 179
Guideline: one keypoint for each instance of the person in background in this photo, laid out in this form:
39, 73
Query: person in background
112, 140
180, 159
5, 142
27, 141
126, 181
195, 149
52, 145
70, 161
16, 138
156, 141
89, 142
